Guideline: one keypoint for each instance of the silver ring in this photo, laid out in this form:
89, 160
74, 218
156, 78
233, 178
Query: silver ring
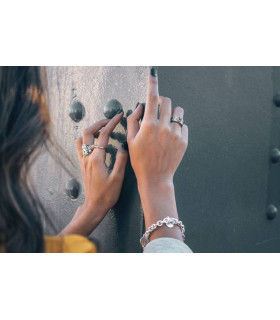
178, 120
88, 148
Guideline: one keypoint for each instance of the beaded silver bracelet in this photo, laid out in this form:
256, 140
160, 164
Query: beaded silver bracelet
169, 222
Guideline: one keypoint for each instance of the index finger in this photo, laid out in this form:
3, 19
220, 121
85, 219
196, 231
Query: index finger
151, 110
104, 135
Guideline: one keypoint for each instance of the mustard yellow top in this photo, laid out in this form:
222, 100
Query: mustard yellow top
69, 244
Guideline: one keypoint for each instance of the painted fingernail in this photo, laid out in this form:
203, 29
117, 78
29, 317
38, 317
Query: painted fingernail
125, 146
128, 113
144, 106
119, 111
137, 105
153, 72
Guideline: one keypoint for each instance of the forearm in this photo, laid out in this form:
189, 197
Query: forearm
158, 202
81, 223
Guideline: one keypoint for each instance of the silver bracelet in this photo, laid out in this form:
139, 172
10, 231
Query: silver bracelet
169, 222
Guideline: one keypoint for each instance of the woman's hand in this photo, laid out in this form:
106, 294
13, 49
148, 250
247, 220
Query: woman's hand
102, 187
156, 149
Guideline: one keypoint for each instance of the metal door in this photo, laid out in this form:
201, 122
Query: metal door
226, 182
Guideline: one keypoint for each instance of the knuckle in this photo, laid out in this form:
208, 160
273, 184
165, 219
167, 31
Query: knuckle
95, 159
149, 126
177, 137
165, 130
116, 176
153, 97
104, 132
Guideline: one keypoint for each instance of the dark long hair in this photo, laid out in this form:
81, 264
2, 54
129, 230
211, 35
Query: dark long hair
24, 130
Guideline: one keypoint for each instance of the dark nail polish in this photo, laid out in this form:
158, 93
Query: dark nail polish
137, 105
144, 106
153, 72
129, 112
119, 111
125, 146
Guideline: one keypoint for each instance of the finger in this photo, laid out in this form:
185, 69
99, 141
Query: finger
104, 135
177, 112
79, 143
185, 133
151, 110
133, 119
165, 110
88, 133
120, 163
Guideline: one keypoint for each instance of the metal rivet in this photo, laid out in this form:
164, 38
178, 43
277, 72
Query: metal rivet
111, 108
271, 212
275, 155
77, 111
72, 189
276, 100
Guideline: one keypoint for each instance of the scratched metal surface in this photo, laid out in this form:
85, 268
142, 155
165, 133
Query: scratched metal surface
93, 87
226, 180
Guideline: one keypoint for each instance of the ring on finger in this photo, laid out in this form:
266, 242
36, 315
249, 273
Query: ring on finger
177, 120
88, 148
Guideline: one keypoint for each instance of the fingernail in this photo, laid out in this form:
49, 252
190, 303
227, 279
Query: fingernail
125, 146
120, 111
144, 106
153, 72
128, 113
137, 105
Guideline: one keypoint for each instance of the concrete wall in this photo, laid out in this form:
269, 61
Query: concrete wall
93, 87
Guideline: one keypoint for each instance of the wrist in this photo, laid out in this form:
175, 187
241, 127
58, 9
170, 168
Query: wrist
158, 199
162, 185
85, 220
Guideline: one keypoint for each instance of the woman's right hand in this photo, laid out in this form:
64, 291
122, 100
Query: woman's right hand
156, 149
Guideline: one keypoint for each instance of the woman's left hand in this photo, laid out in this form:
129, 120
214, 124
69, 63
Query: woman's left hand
102, 187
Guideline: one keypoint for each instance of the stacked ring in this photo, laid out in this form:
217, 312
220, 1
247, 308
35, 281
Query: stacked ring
88, 148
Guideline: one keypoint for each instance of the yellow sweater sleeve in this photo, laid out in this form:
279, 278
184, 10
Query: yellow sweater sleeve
69, 244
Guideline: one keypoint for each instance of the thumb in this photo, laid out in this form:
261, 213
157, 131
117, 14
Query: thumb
133, 122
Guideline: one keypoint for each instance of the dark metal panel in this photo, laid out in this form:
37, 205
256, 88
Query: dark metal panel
271, 230
221, 185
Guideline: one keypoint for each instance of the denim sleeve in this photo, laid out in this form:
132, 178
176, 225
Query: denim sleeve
166, 245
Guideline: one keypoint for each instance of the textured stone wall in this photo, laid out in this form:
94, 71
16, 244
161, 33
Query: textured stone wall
93, 87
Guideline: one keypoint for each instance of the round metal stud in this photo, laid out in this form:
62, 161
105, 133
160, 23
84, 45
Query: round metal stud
271, 212
111, 108
275, 155
72, 189
77, 111
276, 100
